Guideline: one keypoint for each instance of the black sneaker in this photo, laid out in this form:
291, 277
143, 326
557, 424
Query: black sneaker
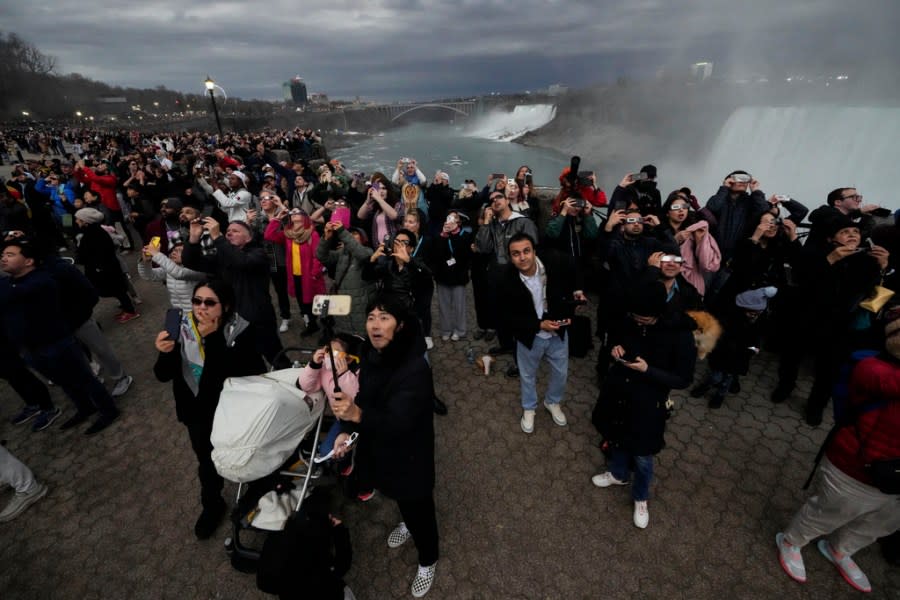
45, 419
102, 423
716, 400
735, 387
27, 414
512, 371
209, 520
813, 417
489, 335
700, 390
439, 407
479, 333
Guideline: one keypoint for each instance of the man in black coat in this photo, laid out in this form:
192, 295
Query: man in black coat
540, 297
242, 262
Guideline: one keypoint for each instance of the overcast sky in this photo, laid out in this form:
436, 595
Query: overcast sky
413, 49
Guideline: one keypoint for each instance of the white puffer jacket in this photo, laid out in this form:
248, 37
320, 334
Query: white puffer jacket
180, 281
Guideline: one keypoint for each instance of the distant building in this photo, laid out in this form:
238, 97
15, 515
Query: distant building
318, 98
702, 71
294, 92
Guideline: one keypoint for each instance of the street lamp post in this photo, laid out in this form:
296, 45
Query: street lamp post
210, 86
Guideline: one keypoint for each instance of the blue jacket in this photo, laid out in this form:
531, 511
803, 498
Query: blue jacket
62, 203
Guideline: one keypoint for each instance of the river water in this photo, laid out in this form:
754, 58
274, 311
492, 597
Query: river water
436, 146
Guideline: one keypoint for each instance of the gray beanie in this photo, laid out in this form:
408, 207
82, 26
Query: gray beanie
756, 299
89, 215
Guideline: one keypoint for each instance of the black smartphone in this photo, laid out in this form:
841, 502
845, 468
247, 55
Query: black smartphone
629, 357
173, 323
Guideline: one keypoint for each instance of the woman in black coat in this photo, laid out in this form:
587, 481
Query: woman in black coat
393, 414
652, 358
97, 252
214, 343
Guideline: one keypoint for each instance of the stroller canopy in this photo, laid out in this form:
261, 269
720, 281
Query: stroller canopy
259, 422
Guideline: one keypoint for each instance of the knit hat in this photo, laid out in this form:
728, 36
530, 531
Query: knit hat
650, 170
756, 299
836, 223
89, 215
647, 300
240, 176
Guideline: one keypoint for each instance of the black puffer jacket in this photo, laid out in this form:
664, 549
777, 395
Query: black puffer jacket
396, 441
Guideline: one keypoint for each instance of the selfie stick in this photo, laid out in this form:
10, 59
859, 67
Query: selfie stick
328, 336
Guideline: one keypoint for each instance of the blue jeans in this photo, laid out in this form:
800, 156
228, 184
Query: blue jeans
620, 467
556, 351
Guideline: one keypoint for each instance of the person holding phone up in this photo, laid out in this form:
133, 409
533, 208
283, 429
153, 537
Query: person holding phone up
212, 343
632, 408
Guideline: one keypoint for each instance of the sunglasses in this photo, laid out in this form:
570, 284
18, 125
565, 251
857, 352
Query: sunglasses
678, 206
633, 220
672, 259
267, 197
296, 211
207, 302
852, 197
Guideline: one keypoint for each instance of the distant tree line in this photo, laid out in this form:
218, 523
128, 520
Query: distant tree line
29, 83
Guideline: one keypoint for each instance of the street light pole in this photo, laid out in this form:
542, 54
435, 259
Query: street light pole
210, 86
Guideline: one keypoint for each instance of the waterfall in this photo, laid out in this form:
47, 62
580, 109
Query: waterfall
506, 126
805, 152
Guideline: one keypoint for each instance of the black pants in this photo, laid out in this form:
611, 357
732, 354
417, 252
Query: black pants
116, 216
422, 308
421, 521
828, 350
211, 482
265, 333
65, 364
481, 293
23, 381
279, 281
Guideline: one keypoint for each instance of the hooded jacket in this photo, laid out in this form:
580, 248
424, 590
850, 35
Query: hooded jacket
180, 281
494, 238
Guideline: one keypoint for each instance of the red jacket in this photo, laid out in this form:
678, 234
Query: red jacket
875, 380
104, 185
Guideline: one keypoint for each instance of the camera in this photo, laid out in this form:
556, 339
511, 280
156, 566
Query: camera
388, 242
584, 178
579, 203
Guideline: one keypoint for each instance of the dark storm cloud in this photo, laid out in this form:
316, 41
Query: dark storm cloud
420, 48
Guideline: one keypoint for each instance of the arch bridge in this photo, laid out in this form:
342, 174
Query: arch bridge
397, 111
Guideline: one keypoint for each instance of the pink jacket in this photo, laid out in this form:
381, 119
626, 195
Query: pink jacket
312, 279
701, 259
314, 379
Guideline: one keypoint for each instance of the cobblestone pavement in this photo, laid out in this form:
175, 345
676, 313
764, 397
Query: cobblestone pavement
518, 515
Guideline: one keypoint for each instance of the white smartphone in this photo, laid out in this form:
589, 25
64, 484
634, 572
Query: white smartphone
338, 306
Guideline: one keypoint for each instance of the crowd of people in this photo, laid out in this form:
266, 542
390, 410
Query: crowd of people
224, 221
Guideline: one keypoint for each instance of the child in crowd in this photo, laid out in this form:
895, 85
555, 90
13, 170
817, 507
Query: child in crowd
317, 375
180, 281
739, 342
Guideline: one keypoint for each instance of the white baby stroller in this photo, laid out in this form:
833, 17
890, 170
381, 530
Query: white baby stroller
259, 426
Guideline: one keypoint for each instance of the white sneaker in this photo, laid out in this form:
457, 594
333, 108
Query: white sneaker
606, 479
527, 421
641, 514
122, 386
429, 343
454, 337
445, 337
424, 578
399, 536
95, 368
22, 500
558, 417
285, 323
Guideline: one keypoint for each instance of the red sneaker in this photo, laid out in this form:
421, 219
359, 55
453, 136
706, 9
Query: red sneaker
127, 316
